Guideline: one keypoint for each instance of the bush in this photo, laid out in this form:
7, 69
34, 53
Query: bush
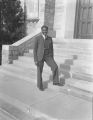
13, 24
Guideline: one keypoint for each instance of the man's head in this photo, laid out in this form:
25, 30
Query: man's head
44, 30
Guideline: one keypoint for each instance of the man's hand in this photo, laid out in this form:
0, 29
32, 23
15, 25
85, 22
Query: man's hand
36, 63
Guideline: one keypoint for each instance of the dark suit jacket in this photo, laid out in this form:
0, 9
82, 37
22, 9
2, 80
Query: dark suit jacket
39, 47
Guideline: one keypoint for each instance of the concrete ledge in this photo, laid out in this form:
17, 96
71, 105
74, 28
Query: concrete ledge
11, 52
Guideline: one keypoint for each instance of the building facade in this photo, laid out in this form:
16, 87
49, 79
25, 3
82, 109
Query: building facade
66, 19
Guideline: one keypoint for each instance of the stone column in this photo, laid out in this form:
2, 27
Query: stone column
70, 18
35, 10
41, 13
49, 16
60, 15
64, 18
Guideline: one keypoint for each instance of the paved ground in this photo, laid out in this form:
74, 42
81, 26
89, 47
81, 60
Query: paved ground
22, 99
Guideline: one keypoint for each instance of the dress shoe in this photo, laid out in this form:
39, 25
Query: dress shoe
41, 89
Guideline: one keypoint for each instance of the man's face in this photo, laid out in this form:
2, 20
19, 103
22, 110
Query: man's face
44, 31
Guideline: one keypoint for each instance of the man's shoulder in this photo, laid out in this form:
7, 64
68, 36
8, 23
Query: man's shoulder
38, 36
49, 37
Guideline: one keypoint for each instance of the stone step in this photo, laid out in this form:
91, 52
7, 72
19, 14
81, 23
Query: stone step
82, 72
28, 54
70, 51
83, 42
32, 79
25, 65
83, 63
26, 59
9, 75
82, 68
14, 102
69, 54
31, 51
29, 65
30, 61
64, 67
14, 69
84, 58
80, 84
82, 76
12, 111
68, 73
65, 70
4, 115
79, 54
56, 55
73, 44
81, 57
73, 49
25, 72
31, 71
58, 58
69, 90
76, 73
64, 89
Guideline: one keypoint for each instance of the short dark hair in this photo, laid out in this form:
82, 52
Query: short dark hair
44, 26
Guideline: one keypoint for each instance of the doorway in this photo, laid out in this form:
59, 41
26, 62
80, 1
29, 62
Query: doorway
84, 19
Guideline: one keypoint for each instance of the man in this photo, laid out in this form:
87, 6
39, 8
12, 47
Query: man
43, 52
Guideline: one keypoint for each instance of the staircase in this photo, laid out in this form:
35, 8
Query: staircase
81, 70
74, 59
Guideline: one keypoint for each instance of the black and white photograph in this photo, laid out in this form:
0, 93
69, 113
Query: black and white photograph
46, 59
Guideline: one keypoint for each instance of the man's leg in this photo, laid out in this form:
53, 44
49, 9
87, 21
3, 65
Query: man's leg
39, 74
50, 62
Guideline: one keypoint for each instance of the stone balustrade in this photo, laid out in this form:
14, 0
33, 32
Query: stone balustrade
11, 52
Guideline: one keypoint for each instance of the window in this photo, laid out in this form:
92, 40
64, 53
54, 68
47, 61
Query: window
32, 7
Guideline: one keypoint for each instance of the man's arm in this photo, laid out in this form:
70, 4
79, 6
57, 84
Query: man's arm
35, 51
51, 49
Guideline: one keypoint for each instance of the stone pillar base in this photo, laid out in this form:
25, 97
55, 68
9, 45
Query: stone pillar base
52, 33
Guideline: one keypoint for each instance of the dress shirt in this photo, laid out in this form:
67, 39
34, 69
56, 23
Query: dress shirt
44, 36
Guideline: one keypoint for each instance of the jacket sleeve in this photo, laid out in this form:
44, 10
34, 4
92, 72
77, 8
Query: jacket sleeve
51, 49
35, 50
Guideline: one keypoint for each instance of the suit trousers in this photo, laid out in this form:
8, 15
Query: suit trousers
51, 63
